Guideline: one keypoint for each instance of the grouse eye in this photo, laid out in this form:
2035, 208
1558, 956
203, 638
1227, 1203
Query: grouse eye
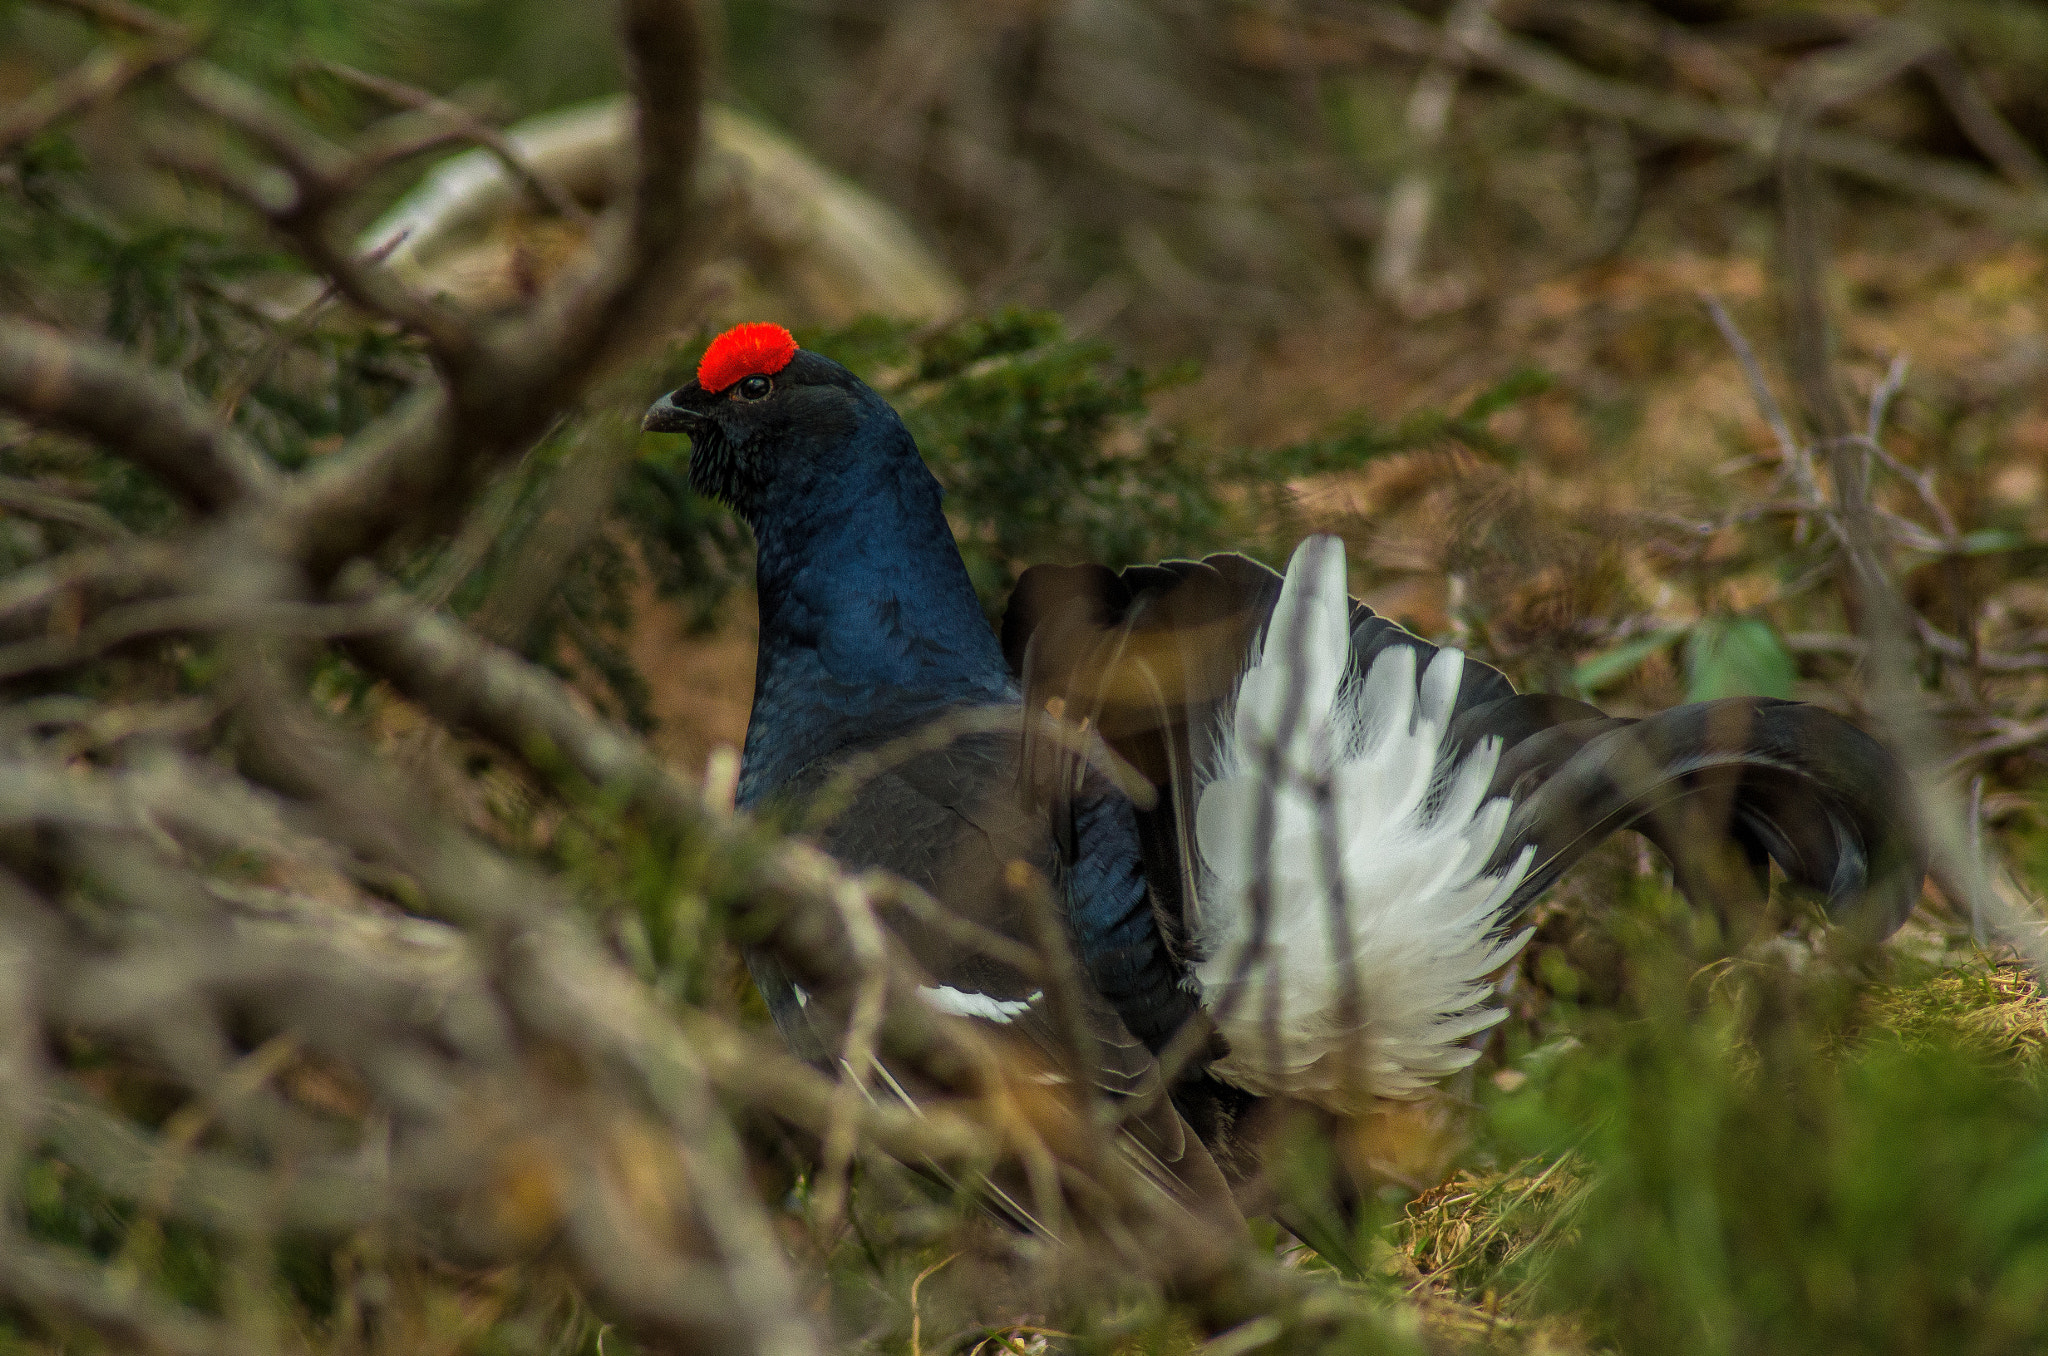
755, 387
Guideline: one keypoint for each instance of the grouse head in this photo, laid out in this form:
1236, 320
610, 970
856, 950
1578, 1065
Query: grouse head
771, 423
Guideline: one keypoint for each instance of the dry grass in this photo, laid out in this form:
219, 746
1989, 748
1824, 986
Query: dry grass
1992, 1008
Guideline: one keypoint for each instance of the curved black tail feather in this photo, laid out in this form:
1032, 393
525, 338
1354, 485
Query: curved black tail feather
1773, 780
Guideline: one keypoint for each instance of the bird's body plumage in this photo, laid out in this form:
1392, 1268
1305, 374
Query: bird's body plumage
871, 633
868, 622
1341, 823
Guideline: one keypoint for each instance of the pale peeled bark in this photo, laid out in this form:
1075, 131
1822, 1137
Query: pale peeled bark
807, 238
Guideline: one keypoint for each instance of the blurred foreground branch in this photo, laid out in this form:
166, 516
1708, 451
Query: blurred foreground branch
357, 1013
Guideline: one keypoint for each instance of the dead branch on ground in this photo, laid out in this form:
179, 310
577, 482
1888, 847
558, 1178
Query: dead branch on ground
1338, 33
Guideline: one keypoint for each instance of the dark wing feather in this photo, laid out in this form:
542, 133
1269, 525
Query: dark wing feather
951, 821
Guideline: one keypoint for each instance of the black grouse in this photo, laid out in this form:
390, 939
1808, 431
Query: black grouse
1310, 831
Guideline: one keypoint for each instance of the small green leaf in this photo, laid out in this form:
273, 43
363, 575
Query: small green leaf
1518, 386
1611, 666
1992, 541
1736, 657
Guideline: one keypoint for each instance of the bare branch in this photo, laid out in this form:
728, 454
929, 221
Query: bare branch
97, 79
97, 392
44, 1281
1398, 252
396, 469
316, 163
58, 593
632, 280
1869, 591
211, 1190
322, 174
422, 466
469, 683
790, 890
2013, 737
399, 138
125, 14
281, 339
1059, 973
1655, 33
33, 501
1755, 131
469, 127
173, 615
1985, 126
1085, 745
23, 963
893, 893
857, 1050
692, 1310
752, 1073
1835, 77
1940, 642
1759, 386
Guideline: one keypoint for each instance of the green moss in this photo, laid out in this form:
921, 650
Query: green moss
1776, 1162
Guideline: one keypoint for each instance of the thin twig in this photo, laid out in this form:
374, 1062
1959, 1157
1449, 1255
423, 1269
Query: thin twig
1062, 983
1985, 126
281, 338
1759, 386
1870, 593
1935, 639
472, 128
33, 501
174, 615
857, 1050
126, 14
1752, 130
41, 1279
321, 174
112, 572
916, 1318
2013, 738
100, 77
91, 389
420, 468
833, 798
1398, 252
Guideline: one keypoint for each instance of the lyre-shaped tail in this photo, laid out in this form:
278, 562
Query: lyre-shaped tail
1351, 819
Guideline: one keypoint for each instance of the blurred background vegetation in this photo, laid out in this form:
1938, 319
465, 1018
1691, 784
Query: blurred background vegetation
1153, 278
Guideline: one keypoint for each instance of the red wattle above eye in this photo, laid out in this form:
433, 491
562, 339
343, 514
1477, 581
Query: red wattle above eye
753, 349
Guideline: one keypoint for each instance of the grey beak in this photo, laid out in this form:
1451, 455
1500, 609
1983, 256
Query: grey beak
666, 416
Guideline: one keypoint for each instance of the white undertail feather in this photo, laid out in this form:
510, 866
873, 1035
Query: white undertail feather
1412, 836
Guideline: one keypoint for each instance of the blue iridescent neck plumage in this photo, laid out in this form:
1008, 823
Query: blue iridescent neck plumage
869, 623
